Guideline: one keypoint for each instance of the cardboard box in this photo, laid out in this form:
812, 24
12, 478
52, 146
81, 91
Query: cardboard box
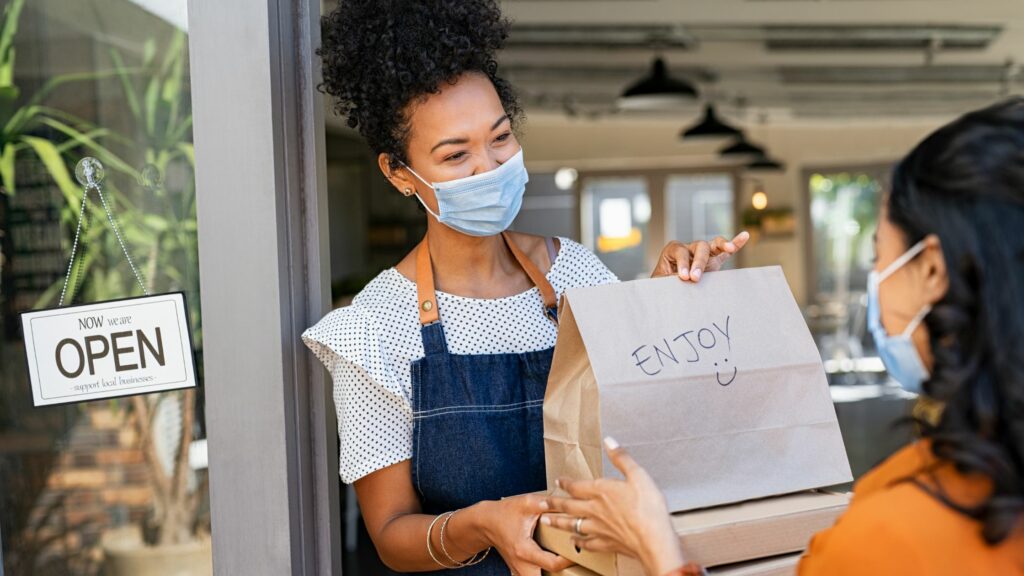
576, 570
724, 535
784, 565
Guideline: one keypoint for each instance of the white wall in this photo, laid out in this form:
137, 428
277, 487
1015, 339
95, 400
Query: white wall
551, 141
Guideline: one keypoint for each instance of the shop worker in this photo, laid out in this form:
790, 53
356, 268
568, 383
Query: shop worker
946, 309
440, 363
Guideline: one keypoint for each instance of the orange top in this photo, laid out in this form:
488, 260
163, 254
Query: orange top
894, 527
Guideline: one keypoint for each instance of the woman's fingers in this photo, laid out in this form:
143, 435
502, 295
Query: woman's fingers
740, 240
701, 252
679, 254
531, 552
722, 250
570, 506
720, 245
620, 458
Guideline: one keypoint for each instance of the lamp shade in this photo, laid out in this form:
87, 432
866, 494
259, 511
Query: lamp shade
742, 148
766, 164
711, 127
657, 88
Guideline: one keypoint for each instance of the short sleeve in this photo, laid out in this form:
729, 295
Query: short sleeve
578, 267
374, 416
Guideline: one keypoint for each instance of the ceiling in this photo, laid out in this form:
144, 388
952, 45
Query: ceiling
770, 60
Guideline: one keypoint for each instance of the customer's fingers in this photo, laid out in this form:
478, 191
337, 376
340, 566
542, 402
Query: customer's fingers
570, 506
595, 544
620, 458
582, 489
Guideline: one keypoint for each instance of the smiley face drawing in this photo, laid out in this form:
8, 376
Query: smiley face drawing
718, 373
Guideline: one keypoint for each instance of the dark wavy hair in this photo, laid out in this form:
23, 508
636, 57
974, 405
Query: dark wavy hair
965, 184
379, 56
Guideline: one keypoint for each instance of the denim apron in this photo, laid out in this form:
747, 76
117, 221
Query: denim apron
478, 429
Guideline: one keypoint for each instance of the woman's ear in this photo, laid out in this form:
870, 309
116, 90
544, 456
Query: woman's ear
936, 276
400, 179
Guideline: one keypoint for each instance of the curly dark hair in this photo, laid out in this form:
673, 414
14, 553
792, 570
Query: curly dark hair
381, 55
965, 183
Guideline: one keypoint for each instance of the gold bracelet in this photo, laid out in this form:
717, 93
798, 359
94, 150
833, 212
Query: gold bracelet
430, 547
473, 560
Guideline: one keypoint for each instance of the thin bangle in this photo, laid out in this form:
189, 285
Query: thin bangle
430, 547
473, 560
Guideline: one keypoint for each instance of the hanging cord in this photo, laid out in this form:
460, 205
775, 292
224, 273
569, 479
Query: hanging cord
89, 173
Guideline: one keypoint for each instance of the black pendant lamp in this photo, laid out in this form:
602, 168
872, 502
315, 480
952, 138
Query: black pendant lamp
741, 148
711, 127
766, 164
657, 88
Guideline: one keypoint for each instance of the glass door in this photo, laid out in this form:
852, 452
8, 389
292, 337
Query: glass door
700, 207
107, 486
615, 213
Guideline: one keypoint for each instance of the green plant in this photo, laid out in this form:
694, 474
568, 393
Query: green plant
150, 188
159, 226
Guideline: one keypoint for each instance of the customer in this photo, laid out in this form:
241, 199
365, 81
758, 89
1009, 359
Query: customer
946, 308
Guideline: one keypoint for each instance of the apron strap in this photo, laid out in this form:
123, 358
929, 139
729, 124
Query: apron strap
426, 295
425, 285
547, 293
552, 253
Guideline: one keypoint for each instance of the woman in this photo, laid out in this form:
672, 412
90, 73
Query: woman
946, 308
440, 363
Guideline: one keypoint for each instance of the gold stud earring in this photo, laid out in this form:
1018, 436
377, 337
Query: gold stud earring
408, 191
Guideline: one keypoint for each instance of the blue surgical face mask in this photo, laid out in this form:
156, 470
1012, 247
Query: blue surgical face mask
898, 352
482, 204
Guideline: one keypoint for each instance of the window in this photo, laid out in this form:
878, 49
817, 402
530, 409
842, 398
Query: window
111, 81
699, 207
843, 219
615, 213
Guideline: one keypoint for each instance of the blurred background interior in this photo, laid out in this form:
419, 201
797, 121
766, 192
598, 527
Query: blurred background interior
647, 121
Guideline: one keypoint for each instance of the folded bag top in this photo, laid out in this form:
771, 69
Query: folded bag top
716, 388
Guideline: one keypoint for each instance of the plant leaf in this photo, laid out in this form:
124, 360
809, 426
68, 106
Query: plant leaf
54, 162
7, 168
104, 154
126, 83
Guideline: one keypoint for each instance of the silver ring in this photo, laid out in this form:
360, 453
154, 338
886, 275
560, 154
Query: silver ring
578, 527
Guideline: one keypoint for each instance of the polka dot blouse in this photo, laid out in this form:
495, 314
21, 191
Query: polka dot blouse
369, 346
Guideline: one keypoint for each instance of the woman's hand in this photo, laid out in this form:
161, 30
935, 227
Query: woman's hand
510, 528
628, 517
689, 261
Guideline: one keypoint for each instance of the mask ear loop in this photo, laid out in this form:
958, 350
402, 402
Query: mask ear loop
896, 265
417, 194
902, 260
916, 321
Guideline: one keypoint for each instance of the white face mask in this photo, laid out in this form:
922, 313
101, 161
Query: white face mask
898, 352
482, 204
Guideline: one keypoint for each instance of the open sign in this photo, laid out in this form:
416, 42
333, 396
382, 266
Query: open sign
108, 349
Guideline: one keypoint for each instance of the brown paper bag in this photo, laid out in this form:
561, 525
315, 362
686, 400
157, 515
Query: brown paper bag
717, 389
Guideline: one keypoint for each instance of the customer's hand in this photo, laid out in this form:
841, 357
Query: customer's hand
690, 261
628, 517
510, 531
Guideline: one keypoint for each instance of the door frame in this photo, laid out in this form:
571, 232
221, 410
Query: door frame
264, 277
